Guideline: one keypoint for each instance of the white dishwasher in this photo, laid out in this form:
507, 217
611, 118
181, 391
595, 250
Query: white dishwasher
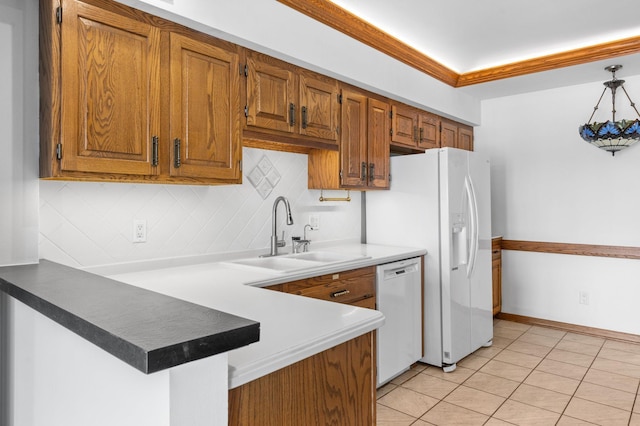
399, 298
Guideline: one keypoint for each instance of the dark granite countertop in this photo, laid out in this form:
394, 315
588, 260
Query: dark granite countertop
147, 330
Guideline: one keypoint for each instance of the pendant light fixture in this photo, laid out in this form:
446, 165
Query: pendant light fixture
612, 135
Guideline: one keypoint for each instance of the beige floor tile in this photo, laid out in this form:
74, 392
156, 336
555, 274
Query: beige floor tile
607, 396
429, 385
578, 348
617, 367
386, 416
514, 325
475, 400
522, 414
562, 369
547, 331
583, 338
612, 380
539, 339
508, 333
636, 407
529, 348
518, 358
506, 370
582, 360
635, 419
421, 423
419, 367
473, 362
385, 389
541, 398
408, 401
616, 354
552, 382
459, 375
570, 421
446, 414
501, 342
492, 384
623, 346
488, 352
404, 377
596, 413
497, 422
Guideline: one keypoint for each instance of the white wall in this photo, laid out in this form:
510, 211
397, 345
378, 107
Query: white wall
89, 224
19, 124
550, 185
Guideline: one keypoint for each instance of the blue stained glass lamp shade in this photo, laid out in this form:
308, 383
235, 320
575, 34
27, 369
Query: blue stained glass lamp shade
611, 136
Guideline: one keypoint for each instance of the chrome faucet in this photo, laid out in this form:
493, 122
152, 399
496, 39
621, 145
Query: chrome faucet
275, 242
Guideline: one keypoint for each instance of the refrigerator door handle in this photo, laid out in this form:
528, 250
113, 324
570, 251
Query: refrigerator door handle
473, 214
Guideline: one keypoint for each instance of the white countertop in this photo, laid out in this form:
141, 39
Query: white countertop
292, 327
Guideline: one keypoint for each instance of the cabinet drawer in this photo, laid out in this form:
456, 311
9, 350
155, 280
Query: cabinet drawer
342, 291
369, 303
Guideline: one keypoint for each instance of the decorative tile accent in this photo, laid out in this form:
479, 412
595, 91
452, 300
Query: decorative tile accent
264, 177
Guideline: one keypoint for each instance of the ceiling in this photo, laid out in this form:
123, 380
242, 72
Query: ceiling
472, 36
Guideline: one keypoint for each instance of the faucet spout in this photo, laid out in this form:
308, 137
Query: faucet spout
275, 242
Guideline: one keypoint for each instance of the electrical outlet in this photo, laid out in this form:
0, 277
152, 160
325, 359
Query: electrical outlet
139, 231
314, 221
584, 297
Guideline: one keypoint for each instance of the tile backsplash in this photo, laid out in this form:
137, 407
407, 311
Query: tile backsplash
86, 224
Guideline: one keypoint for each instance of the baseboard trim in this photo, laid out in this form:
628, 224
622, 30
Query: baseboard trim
573, 328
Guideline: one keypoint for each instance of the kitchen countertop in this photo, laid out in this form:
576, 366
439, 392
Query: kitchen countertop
148, 330
292, 327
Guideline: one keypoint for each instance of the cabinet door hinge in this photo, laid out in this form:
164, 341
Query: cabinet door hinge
59, 151
246, 70
240, 165
246, 111
389, 177
59, 14
391, 132
340, 174
390, 114
340, 98
154, 151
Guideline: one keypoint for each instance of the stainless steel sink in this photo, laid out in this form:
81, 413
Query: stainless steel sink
297, 261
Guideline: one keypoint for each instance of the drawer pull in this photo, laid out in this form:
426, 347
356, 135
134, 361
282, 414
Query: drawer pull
340, 293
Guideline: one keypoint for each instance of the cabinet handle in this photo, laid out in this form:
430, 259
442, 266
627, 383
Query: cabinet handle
415, 133
421, 134
340, 293
304, 117
363, 172
371, 167
176, 153
292, 114
154, 151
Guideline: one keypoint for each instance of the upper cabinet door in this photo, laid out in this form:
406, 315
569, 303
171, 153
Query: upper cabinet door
448, 134
429, 131
404, 125
318, 107
378, 138
110, 91
204, 110
465, 137
270, 94
353, 140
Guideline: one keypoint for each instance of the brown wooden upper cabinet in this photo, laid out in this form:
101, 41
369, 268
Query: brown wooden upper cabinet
456, 135
287, 101
413, 130
101, 98
363, 158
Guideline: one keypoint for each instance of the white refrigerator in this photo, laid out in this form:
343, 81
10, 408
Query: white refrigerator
440, 200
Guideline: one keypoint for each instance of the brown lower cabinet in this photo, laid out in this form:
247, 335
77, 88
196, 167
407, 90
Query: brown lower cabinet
336, 386
496, 268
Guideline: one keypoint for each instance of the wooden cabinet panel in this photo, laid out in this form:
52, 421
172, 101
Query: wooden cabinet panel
353, 139
318, 107
448, 134
496, 254
465, 138
378, 144
205, 110
109, 91
429, 131
404, 125
334, 387
345, 287
271, 93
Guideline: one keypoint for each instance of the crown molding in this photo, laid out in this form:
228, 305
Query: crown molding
334, 16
